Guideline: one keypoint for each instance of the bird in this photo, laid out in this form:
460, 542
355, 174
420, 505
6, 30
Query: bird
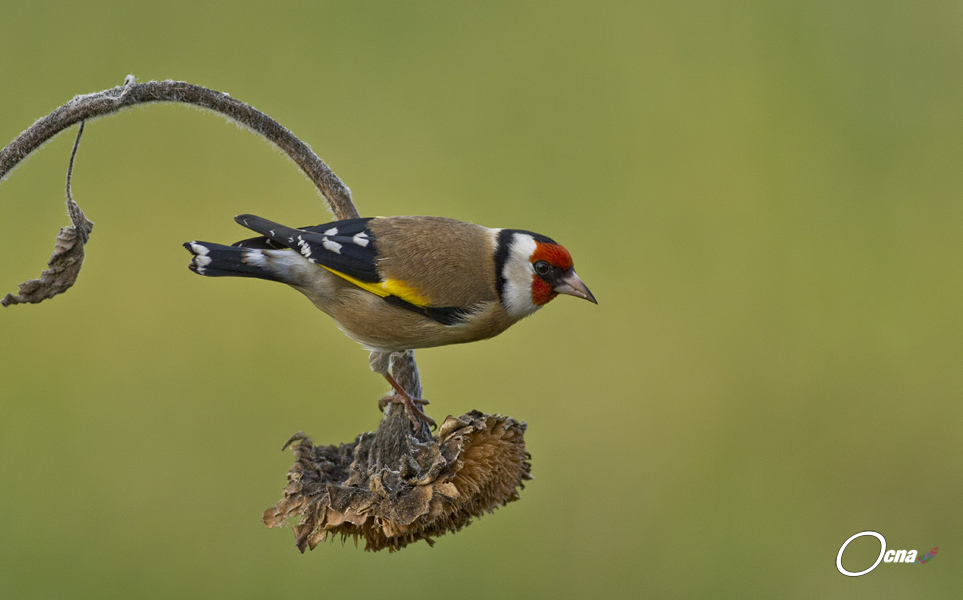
400, 283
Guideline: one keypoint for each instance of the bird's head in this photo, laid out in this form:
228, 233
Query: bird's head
533, 270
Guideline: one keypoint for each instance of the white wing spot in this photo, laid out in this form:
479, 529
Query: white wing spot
198, 249
361, 239
332, 246
305, 248
255, 257
332, 231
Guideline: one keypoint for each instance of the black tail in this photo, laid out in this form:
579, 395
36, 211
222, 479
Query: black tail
216, 260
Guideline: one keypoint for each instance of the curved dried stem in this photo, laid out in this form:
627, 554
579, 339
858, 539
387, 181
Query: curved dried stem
98, 104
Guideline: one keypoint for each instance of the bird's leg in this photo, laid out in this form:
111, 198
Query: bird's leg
414, 412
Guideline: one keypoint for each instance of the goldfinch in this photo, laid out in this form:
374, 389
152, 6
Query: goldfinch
399, 283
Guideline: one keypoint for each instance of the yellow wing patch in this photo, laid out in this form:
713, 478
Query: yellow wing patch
405, 292
390, 287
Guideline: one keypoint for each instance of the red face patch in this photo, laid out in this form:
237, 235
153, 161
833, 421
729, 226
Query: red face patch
542, 291
553, 254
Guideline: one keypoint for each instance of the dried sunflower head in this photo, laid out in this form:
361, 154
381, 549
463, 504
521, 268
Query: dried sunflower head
393, 490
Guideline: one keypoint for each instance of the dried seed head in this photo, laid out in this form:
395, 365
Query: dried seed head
476, 463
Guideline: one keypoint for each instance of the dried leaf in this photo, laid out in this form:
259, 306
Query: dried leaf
63, 266
68, 256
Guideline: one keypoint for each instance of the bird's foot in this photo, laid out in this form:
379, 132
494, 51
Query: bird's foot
415, 413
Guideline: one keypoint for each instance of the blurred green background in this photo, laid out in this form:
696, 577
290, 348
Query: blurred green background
764, 196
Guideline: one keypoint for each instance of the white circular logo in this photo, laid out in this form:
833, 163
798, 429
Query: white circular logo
882, 551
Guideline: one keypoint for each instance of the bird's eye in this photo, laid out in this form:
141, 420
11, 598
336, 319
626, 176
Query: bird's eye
542, 267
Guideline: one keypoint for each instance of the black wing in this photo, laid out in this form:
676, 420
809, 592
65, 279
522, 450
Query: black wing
347, 246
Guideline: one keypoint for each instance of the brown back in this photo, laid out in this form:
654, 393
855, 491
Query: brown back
447, 261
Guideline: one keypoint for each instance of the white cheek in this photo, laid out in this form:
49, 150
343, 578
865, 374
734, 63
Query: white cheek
518, 299
518, 278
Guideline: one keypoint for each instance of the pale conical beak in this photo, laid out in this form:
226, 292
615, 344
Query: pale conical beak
573, 286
